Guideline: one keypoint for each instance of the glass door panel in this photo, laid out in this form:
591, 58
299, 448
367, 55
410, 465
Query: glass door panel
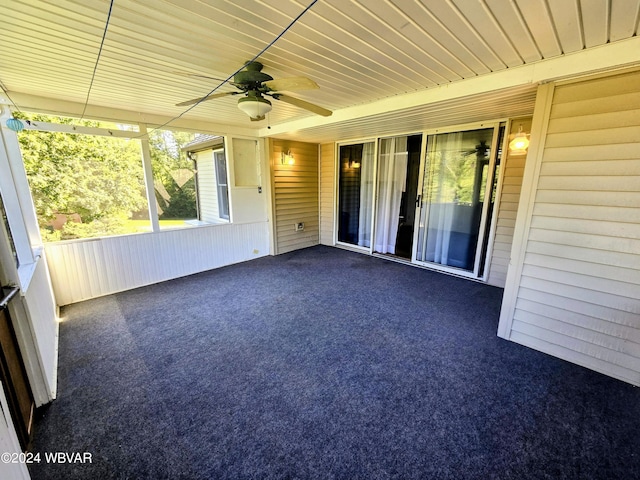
355, 193
456, 173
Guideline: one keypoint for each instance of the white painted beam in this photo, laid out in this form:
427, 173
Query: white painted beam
66, 128
51, 106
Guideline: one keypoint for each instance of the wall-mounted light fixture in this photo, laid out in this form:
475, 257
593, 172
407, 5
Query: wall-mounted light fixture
287, 158
519, 144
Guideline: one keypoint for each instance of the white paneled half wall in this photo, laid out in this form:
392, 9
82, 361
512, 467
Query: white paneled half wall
84, 269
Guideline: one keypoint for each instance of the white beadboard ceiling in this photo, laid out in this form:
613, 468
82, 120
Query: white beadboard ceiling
157, 52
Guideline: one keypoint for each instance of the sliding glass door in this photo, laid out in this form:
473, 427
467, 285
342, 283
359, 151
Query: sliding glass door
457, 190
355, 193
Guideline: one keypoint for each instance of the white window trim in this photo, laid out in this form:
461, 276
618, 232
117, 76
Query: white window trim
216, 160
18, 205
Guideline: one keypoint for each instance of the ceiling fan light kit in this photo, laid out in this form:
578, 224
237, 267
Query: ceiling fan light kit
255, 106
254, 85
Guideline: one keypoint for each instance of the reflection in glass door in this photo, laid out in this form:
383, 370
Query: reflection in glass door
355, 193
454, 200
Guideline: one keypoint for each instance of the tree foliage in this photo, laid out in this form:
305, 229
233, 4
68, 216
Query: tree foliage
96, 182
174, 171
92, 176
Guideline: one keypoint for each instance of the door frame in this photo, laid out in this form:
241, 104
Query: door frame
485, 206
336, 219
495, 123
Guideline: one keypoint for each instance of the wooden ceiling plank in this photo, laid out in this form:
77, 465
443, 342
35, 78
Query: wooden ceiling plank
354, 37
624, 19
595, 21
408, 38
433, 28
540, 24
451, 16
567, 19
514, 26
480, 17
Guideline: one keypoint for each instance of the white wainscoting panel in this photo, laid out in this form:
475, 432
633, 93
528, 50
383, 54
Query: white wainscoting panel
40, 306
84, 269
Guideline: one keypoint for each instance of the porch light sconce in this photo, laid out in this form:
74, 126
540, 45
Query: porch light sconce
287, 158
519, 144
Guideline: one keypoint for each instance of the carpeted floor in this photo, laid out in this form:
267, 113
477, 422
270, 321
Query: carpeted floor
323, 364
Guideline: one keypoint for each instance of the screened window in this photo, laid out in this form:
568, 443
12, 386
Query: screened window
174, 178
222, 186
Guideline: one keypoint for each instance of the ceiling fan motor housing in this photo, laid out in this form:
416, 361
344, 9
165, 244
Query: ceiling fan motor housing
252, 77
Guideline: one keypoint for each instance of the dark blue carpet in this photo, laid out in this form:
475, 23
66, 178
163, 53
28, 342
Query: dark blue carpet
324, 364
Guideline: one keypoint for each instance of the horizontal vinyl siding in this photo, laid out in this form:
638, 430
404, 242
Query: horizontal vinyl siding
509, 197
207, 187
296, 195
579, 295
327, 193
85, 269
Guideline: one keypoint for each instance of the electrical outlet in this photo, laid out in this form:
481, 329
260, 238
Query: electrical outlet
299, 226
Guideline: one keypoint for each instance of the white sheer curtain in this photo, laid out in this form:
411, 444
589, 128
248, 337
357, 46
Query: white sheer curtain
366, 195
439, 197
443, 199
392, 175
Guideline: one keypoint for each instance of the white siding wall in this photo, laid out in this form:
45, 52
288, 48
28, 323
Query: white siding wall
84, 269
327, 192
575, 290
512, 171
207, 187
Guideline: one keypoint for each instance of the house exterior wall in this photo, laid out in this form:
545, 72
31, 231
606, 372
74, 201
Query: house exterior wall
573, 287
509, 192
295, 195
207, 187
327, 192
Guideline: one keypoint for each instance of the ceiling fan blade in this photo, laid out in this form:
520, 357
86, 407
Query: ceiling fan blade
204, 99
291, 84
303, 104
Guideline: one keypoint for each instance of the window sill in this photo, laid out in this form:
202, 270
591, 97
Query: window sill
199, 223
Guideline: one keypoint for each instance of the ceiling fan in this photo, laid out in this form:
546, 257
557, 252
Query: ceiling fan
254, 85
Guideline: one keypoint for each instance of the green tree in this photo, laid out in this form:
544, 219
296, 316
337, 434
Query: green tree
173, 174
95, 177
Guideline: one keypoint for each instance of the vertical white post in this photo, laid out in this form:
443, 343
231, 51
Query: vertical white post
22, 229
533, 163
148, 178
